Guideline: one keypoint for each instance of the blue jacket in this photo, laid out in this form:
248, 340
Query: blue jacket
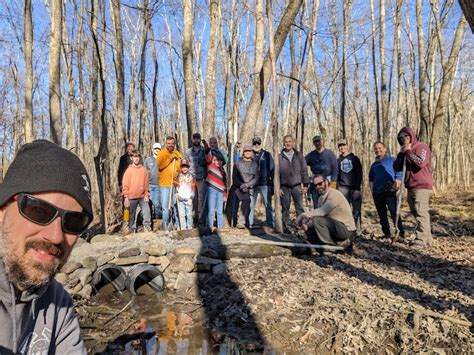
382, 172
324, 163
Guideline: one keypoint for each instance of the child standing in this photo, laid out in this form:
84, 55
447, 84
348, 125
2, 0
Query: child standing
135, 192
185, 190
216, 186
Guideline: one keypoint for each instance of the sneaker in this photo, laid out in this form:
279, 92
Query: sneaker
147, 229
131, 230
240, 226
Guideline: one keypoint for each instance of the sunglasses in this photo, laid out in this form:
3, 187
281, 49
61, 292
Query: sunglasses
403, 136
43, 213
257, 143
321, 183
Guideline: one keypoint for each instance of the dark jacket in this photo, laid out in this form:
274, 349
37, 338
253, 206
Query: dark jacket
125, 161
266, 167
418, 172
324, 163
40, 321
295, 172
245, 174
382, 174
350, 172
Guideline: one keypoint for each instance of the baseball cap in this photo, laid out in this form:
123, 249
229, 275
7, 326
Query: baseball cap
247, 148
185, 162
342, 142
317, 138
257, 140
156, 146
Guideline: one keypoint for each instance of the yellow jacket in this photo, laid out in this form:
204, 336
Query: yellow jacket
165, 162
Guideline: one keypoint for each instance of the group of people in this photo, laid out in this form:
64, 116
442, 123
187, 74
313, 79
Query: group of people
42, 214
192, 187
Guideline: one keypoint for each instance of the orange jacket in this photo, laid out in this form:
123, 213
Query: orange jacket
135, 182
164, 160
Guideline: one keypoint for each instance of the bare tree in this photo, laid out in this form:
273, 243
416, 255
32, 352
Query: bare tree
119, 72
28, 52
209, 121
383, 75
374, 67
254, 106
187, 48
423, 77
55, 71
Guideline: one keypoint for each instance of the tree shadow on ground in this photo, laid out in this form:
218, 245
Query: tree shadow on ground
407, 292
225, 307
444, 274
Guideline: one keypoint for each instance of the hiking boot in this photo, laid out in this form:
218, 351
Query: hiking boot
131, 230
240, 226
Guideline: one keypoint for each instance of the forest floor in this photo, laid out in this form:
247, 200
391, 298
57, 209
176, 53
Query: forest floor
381, 298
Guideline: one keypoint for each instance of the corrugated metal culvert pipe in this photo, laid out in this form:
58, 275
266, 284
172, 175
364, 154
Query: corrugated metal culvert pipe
144, 279
109, 275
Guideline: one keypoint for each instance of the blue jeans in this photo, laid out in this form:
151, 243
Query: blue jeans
164, 198
264, 191
155, 199
215, 203
185, 215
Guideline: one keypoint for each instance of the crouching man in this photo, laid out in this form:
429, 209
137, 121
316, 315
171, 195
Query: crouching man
45, 205
332, 221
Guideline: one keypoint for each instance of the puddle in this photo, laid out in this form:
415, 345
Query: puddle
156, 329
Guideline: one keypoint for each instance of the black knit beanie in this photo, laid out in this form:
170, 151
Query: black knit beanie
42, 166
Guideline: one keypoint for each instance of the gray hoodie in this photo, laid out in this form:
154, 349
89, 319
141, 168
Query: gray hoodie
37, 322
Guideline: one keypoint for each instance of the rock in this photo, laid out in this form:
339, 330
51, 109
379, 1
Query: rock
219, 269
100, 238
76, 288
185, 281
61, 277
202, 268
184, 251
104, 259
163, 261
180, 263
72, 282
205, 260
128, 252
256, 251
188, 233
90, 263
155, 249
84, 275
70, 267
85, 292
131, 260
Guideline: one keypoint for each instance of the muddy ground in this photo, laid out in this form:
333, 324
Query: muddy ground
381, 298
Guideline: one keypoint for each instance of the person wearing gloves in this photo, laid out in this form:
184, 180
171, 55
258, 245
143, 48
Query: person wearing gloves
185, 192
45, 204
168, 161
135, 192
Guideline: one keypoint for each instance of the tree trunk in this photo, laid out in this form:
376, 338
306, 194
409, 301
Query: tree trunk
209, 121
28, 52
156, 123
374, 67
142, 73
423, 77
449, 69
254, 106
259, 55
383, 76
271, 55
55, 72
346, 11
187, 48
119, 73
398, 54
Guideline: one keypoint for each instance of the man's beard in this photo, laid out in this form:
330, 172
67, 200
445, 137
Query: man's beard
25, 273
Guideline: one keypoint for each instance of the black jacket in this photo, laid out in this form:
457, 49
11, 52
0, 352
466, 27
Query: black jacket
266, 167
295, 172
